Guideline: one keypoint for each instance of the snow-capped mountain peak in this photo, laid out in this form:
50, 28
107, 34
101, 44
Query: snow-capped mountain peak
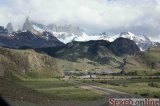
143, 42
128, 35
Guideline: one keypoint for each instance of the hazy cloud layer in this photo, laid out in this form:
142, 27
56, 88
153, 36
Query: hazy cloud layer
95, 16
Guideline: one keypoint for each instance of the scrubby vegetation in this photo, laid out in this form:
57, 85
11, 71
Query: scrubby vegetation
154, 84
27, 63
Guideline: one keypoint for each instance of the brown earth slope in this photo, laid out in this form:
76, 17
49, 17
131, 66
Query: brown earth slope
27, 63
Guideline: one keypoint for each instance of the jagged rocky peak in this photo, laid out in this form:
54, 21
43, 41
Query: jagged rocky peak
28, 25
105, 36
128, 35
53, 27
34, 26
70, 29
124, 33
143, 42
146, 38
134, 37
9, 27
104, 33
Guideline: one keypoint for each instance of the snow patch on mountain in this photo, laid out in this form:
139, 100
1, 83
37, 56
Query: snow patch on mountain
38, 29
64, 37
106, 37
128, 35
84, 37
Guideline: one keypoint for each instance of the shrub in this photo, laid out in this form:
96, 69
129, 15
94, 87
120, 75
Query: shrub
144, 94
124, 85
154, 84
155, 96
114, 84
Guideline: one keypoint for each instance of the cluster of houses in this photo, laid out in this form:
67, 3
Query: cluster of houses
88, 73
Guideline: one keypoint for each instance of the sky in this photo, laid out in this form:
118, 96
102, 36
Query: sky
94, 16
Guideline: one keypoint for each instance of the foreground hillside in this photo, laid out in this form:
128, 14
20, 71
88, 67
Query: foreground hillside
144, 63
27, 63
47, 92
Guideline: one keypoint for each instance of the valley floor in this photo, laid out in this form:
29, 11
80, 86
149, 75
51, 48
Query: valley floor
77, 92
48, 92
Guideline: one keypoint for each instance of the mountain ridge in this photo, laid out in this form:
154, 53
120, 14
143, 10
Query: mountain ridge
100, 50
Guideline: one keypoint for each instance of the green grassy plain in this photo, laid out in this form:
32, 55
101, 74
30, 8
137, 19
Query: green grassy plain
61, 90
145, 87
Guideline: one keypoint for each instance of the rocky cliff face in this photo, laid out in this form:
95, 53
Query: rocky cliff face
9, 27
27, 26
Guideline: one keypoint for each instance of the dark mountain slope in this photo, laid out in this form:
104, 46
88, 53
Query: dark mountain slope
33, 40
124, 46
100, 51
120, 46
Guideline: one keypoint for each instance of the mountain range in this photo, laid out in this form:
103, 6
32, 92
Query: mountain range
36, 35
72, 48
71, 33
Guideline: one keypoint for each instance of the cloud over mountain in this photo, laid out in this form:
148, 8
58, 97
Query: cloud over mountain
95, 16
